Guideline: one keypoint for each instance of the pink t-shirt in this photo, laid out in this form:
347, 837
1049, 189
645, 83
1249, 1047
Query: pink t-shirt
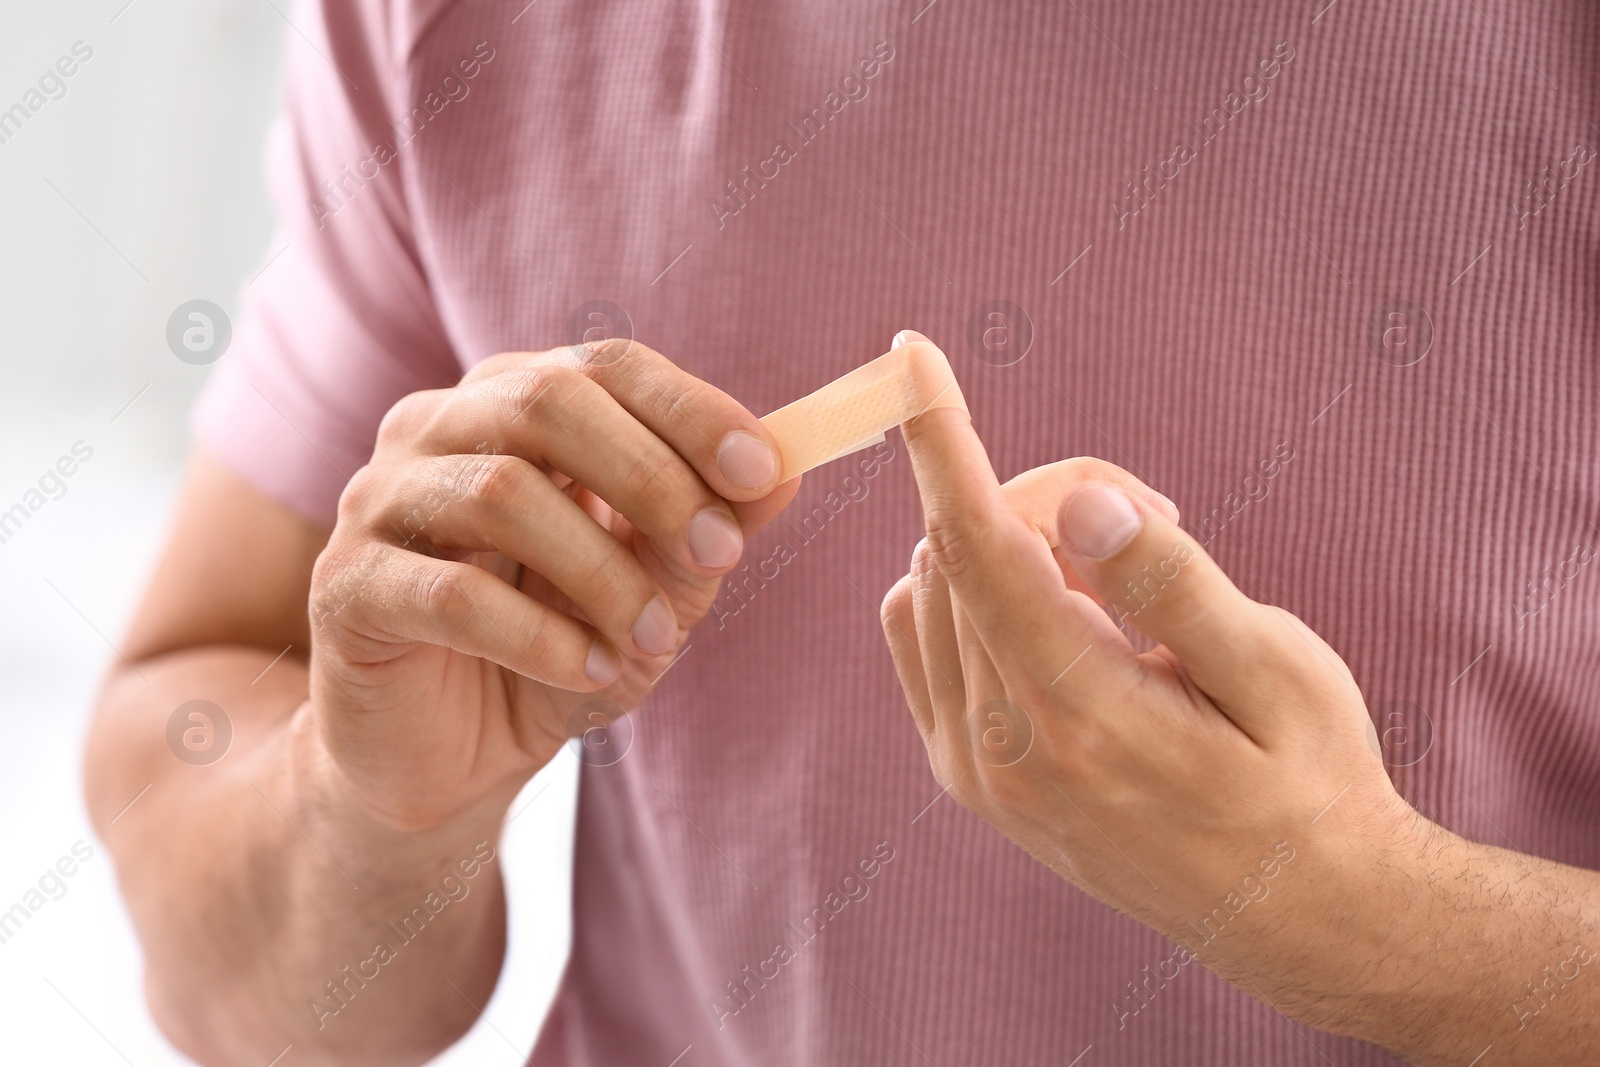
1326, 278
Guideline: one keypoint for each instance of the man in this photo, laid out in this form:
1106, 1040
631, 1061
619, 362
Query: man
1321, 276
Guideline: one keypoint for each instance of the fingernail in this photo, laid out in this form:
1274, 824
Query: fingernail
656, 630
603, 665
906, 337
1172, 509
714, 539
746, 460
1098, 521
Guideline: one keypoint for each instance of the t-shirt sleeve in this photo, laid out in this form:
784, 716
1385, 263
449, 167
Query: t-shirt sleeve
340, 322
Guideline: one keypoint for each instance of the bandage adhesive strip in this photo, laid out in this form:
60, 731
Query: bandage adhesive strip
854, 411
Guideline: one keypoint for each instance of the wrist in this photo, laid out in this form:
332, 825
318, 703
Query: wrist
1369, 882
342, 821
1318, 944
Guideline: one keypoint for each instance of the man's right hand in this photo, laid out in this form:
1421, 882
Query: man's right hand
519, 562
524, 549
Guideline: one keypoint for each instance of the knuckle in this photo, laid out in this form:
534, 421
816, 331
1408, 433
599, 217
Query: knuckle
616, 604
614, 587
498, 363
649, 479
1291, 649
340, 578
496, 482
682, 398
619, 579
440, 597
679, 402
896, 605
361, 495
406, 419
594, 357
1094, 469
536, 392
442, 485
955, 541
537, 639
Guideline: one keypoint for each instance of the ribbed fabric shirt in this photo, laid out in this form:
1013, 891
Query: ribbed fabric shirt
1324, 275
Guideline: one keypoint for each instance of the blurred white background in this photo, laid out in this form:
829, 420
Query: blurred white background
139, 189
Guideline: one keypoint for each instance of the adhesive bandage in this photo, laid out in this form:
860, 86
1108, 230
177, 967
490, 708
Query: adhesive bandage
855, 411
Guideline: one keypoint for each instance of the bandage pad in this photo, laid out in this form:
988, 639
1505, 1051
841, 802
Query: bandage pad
856, 410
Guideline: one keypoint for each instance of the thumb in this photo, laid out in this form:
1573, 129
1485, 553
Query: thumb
754, 514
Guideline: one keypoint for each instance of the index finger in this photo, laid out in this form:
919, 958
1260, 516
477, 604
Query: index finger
1002, 569
729, 448
990, 556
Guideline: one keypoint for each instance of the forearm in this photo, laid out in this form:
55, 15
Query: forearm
1502, 952
273, 911
1443, 949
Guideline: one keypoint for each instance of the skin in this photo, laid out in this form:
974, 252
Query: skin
481, 589
454, 609
1168, 784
